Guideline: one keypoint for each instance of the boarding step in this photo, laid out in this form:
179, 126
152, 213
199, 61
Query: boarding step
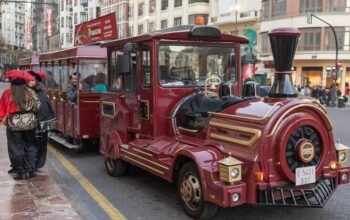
63, 141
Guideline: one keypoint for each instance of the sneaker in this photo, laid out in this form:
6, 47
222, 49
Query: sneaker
12, 170
21, 176
31, 174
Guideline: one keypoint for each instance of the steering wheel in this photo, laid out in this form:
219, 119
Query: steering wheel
206, 92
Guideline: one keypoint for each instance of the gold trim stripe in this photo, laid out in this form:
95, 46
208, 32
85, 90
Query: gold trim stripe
88, 101
292, 109
248, 118
144, 165
255, 132
141, 152
142, 158
188, 130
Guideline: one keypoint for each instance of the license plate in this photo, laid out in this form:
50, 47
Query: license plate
305, 175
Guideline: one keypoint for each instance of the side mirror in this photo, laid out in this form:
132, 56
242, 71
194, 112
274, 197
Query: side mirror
123, 64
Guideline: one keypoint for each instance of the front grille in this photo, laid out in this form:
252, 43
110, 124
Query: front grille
315, 195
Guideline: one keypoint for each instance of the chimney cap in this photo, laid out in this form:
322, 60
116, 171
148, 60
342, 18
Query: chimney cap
284, 31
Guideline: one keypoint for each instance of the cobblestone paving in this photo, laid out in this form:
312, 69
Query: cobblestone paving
37, 198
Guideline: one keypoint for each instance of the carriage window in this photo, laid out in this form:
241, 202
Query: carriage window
88, 70
130, 79
64, 77
56, 76
50, 82
187, 65
146, 68
115, 80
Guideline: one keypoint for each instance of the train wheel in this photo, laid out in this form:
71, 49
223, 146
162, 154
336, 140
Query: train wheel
116, 167
190, 191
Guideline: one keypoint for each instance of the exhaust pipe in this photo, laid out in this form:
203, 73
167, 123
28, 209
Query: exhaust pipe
283, 43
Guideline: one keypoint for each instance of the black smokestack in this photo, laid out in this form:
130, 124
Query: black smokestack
283, 43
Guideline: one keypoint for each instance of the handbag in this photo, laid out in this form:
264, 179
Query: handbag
21, 121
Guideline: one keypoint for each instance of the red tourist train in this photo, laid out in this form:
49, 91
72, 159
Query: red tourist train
178, 109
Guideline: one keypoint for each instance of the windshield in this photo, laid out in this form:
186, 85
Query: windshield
190, 65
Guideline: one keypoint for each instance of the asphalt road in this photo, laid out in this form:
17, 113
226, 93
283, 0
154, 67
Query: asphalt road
140, 195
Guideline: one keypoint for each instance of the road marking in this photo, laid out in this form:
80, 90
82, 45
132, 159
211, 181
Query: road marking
99, 198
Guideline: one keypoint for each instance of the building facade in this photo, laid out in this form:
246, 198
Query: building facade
74, 12
121, 9
12, 24
150, 15
315, 57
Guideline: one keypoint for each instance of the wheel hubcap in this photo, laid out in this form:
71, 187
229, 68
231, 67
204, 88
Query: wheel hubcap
304, 148
190, 191
110, 164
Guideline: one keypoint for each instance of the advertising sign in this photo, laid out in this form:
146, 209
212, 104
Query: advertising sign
28, 32
248, 70
102, 28
49, 22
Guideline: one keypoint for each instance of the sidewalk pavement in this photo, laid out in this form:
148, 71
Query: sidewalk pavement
37, 198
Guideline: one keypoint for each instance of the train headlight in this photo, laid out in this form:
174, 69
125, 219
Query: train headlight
230, 170
235, 197
235, 173
342, 152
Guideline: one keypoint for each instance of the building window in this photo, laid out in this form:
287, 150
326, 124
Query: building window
140, 29
75, 18
83, 17
131, 31
265, 43
194, 1
177, 21
152, 26
67, 38
62, 22
192, 18
329, 43
310, 6
140, 9
177, 3
278, 8
131, 11
265, 9
347, 39
164, 5
152, 6
336, 5
163, 24
310, 39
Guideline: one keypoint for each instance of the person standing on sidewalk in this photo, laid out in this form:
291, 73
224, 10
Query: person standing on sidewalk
45, 116
18, 106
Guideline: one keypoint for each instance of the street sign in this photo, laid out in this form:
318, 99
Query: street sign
251, 34
309, 17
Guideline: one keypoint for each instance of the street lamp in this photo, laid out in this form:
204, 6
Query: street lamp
309, 21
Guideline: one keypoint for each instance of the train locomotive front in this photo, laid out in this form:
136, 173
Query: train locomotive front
223, 150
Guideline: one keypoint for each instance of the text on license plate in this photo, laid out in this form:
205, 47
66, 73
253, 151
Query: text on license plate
305, 175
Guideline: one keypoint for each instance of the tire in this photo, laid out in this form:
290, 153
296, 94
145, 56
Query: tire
116, 167
191, 195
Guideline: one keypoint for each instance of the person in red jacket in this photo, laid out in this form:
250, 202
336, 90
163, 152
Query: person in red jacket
18, 106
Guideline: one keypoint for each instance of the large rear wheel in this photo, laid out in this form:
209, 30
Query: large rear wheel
116, 167
191, 194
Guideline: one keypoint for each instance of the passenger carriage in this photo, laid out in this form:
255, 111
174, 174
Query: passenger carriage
78, 122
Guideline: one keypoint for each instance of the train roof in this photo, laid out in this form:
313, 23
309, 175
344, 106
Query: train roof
87, 52
33, 60
186, 32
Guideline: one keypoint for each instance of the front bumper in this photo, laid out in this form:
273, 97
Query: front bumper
312, 195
